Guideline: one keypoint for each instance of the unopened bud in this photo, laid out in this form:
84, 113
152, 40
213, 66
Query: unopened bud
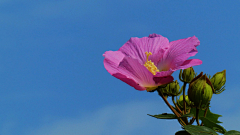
174, 88
187, 75
218, 80
171, 89
200, 91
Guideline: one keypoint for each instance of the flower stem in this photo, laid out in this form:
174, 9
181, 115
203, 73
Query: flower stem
197, 116
173, 110
184, 99
205, 114
192, 120
176, 105
184, 102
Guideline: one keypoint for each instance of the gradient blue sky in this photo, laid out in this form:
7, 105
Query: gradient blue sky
53, 81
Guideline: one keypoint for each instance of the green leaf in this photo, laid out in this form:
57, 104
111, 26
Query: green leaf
182, 132
164, 116
199, 130
212, 125
188, 115
232, 132
211, 116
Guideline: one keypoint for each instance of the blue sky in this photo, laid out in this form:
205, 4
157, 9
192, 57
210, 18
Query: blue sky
53, 81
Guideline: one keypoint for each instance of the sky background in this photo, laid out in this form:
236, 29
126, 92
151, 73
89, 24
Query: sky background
52, 78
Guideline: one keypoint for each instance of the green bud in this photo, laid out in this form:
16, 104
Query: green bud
180, 102
171, 89
187, 75
200, 91
174, 88
218, 80
163, 88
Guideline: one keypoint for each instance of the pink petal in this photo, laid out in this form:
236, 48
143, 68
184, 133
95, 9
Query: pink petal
164, 73
131, 71
190, 63
134, 70
124, 68
163, 80
129, 81
112, 60
111, 63
178, 52
136, 47
154, 35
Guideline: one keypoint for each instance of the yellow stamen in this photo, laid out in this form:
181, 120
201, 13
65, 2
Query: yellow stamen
150, 65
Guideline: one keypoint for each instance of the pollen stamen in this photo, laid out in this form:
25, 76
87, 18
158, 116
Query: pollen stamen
150, 65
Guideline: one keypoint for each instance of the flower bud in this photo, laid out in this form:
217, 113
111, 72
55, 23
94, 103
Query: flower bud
218, 80
174, 88
200, 91
187, 75
171, 89
180, 102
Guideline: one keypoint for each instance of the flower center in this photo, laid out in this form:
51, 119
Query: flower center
150, 65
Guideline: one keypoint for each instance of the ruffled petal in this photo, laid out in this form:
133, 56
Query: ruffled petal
129, 81
130, 71
133, 69
111, 63
189, 63
112, 60
178, 52
136, 48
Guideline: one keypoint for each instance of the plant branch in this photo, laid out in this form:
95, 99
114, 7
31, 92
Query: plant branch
184, 99
173, 110
176, 105
205, 114
197, 116
192, 120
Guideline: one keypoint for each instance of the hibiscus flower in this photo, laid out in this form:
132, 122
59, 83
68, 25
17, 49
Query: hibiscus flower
148, 62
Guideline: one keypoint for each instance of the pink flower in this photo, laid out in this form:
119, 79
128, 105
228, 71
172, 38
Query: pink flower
148, 62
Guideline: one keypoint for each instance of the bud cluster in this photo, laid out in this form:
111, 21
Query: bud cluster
197, 97
201, 88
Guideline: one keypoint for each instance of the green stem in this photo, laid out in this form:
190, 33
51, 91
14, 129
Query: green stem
165, 100
173, 110
192, 120
197, 116
184, 100
205, 114
176, 105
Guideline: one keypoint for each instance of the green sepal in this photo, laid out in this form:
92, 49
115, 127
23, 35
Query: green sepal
182, 132
164, 116
212, 125
220, 91
199, 130
232, 132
